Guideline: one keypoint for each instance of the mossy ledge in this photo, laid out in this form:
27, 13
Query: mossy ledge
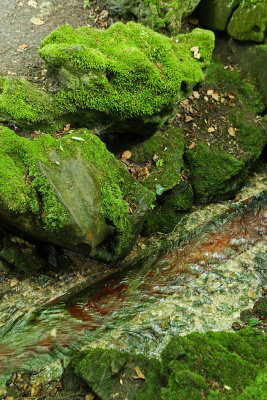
214, 365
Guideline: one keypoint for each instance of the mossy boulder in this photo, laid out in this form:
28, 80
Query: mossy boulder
128, 77
215, 365
249, 21
212, 366
158, 15
70, 192
243, 19
113, 374
216, 14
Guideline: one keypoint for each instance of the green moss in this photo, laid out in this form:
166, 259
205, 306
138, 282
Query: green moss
109, 372
127, 70
225, 363
21, 101
213, 172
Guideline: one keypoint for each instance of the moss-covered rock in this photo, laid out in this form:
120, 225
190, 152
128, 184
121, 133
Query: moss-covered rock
249, 21
216, 14
112, 374
128, 72
214, 173
243, 19
170, 208
71, 192
158, 15
212, 366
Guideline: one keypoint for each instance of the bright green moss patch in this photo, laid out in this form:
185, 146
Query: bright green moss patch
21, 101
128, 70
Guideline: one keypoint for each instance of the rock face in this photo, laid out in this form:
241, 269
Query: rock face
61, 192
155, 14
243, 19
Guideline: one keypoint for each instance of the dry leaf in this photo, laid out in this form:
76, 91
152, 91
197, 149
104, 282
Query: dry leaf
37, 21
32, 3
194, 49
206, 98
89, 396
22, 47
126, 155
67, 128
210, 92
193, 21
13, 282
197, 55
215, 96
103, 14
192, 145
232, 103
231, 96
140, 373
196, 94
211, 129
231, 131
188, 118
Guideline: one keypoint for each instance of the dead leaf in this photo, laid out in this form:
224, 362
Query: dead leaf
210, 92
188, 118
9, 398
193, 21
139, 375
37, 21
67, 128
197, 55
196, 94
32, 3
192, 145
231, 131
232, 103
126, 155
22, 47
194, 49
89, 396
13, 282
206, 98
103, 14
211, 129
215, 96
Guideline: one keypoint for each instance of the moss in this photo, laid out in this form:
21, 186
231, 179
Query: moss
26, 187
21, 101
213, 172
127, 70
170, 209
109, 372
216, 360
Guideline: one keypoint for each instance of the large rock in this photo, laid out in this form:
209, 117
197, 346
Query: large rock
128, 77
155, 14
243, 19
215, 14
249, 21
70, 192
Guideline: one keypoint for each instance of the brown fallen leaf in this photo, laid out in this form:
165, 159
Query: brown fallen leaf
232, 103
206, 98
13, 282
37, 21
211, 129
210, 92
188, 118
67, 128
192, 145
89, 396
231, 131
196, 94
194, 49
126, 155
215, 96
193, 21
139, 373
103, 14
197, 55
22, 47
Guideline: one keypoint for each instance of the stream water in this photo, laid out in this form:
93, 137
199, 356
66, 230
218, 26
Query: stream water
199, 284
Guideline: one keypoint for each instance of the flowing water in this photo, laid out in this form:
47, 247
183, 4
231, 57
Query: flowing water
201, 283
